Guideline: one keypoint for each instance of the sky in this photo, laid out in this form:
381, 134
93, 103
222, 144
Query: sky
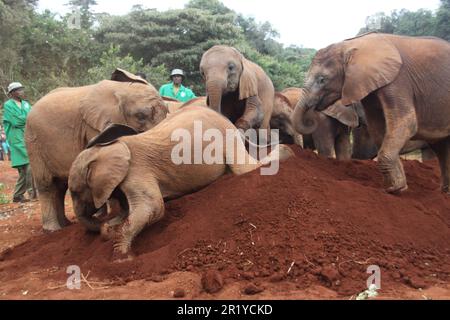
311, 24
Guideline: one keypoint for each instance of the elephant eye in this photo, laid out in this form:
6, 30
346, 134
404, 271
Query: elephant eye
140, 116
321, 80
231, 66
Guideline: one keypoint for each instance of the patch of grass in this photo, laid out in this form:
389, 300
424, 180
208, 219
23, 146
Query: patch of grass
4, 199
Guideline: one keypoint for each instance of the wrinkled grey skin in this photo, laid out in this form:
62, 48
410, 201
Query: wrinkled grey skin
364, 147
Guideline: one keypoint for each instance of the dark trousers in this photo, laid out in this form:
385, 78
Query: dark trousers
24, 183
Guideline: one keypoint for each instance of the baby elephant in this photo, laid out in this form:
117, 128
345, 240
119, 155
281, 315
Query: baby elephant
142, 170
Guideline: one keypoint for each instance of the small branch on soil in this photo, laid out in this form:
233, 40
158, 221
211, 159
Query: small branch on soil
103, 285
357, 262
184, 251
307, 260
89, 283
290, 268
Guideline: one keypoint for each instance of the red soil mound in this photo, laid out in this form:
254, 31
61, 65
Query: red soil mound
316, 221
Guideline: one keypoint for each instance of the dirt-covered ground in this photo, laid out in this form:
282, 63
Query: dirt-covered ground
309, 232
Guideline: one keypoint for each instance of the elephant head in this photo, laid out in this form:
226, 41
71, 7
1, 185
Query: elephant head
125, 100
226, 70
97, 172
348, 71
306, 121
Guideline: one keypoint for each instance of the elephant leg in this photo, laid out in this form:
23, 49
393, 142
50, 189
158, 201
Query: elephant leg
52, 207
343, 146
308, 142
442, 150
401, 126
253, 115
324, 142
146, 207
108, 229
325, 149
60, 209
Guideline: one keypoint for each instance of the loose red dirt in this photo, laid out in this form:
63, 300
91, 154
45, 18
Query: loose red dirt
311, 231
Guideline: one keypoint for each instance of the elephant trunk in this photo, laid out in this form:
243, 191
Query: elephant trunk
84, 212
215, 91
304, 119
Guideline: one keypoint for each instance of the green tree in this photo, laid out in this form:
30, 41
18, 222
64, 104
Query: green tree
178, 39
14, 16
53, 55
41, 50
404, 22
415, 23
175, 38
260, 35
111, 59
443, 20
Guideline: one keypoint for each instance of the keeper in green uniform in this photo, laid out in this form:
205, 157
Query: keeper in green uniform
175, 89
15, 112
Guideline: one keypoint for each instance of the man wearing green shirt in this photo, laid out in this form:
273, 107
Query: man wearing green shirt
175, 89
15, 112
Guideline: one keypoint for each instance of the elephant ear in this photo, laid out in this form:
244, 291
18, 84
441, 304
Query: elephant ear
107, 170
371, 62
248, 84
346, 115
102, 106
282, 99
111, 134
121, 75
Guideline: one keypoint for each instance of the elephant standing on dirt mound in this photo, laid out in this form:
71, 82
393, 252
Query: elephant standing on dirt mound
141, 172
61, 124
403, 83
237, 88
328, 131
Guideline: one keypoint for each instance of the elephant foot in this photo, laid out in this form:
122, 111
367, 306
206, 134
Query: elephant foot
51, 227
122, 252
242, 124
120, 257
123, 259
393, 174
397, 189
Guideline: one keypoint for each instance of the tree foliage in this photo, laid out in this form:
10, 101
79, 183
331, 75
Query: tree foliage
111, 59
11, 35
43, 52
443, 20
412, 23
178, 38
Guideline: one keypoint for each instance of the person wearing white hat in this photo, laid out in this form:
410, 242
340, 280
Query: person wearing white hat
15, 112
175, 89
